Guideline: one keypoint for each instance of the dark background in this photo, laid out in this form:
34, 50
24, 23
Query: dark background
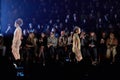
41, 12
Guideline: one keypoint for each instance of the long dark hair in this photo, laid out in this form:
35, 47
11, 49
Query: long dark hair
75, 29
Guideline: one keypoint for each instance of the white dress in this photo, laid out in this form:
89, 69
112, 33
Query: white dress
16, 43
77, 47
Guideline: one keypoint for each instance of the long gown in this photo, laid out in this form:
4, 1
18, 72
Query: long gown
77, 47
16, 43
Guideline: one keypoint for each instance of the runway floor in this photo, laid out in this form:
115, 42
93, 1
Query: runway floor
60, 71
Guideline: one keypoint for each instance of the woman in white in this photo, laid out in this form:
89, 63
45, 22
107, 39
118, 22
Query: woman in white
76, 44
16, 43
